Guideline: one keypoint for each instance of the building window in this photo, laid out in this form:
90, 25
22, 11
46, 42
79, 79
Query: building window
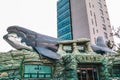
62, 3
97, 30
105, 35
95, 40
93, 31
95, 19
66, 36
64, 23
106, 12
90, 12
64, 30
103, 19
89, 5
105, 5
63, 16
108, 19
101, 11
116, 71
100, 5
104, 26
109, 26
92, 22
63, 9
93, 6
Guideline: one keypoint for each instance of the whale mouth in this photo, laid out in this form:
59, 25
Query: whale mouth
16, 41
5, 37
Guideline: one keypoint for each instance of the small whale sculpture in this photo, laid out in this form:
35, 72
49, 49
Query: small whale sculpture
101, 47
21, 38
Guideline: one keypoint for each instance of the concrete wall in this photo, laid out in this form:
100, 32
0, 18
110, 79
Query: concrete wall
79, 16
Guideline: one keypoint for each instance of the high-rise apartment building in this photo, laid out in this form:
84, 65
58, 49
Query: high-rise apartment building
83, 19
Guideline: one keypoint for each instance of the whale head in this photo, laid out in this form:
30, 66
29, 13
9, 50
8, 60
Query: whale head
20, 38
16, 41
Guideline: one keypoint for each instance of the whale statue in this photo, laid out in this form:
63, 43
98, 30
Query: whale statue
22, 38
101, 47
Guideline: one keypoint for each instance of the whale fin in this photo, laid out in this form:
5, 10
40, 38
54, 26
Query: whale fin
101, 47
46, 52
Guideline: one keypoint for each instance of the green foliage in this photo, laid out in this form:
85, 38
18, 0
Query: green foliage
118, 52
11, 64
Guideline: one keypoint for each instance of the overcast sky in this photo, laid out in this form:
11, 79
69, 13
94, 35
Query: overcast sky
39, 16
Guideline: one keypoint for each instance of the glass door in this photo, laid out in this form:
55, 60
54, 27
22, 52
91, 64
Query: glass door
87, 73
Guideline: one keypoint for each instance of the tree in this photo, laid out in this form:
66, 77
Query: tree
115, 33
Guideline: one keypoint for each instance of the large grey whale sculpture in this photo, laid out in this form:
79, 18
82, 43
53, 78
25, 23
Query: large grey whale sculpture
101, 47
21, 38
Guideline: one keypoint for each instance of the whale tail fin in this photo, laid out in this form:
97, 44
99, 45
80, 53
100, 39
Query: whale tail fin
101, 47
100, 42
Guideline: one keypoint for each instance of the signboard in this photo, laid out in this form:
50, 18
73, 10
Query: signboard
37, 71
89, 58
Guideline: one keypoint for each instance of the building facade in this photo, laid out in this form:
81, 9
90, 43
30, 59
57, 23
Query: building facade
77, 62
83, 19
